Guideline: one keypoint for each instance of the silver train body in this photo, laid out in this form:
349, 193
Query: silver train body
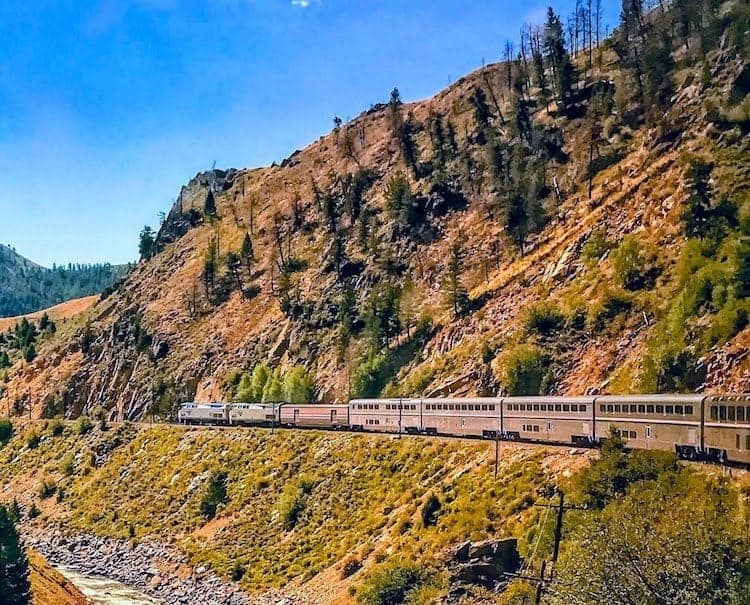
696, 427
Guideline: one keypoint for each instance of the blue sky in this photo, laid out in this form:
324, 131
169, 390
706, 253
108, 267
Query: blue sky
108, 106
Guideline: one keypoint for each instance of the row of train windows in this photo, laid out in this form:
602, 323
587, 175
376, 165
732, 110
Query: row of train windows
626, 434
372, 421
404, 406
531, 428
546, 407
729, 412
616, 408
470, 407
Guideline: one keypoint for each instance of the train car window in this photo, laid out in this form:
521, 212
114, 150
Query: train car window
641, 409
617, 408
492, 407
740, 414
573, 407
558, 407
581, 408
463, 406
747, 442
659, 409
731, 415
566, 407
536, 428
484, 407
633, 409
649, 409
678, 409
536, 407
669, 409
413, 406
722, 412
714, 412
610, 408
602, 408
689, 410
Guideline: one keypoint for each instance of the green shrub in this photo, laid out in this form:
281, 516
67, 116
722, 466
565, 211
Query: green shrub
47, 488
351, 566
56, 427
6, 430
596, 246
32, 440
614, 302
34, 512
524, 370
635, 265
214, 495
617, 469
430, 510
392, 583
543, 319
290, 505
238, 572
82, 426
67, 467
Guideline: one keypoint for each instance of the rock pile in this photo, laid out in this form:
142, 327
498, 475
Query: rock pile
484, 563
158, 570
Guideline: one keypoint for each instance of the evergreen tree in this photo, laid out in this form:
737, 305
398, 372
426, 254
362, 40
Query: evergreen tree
247, 251
209, 206
146, 243
557, 56
4, 360
456, 292
14, 567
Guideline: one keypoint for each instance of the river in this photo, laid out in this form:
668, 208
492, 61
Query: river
103, 591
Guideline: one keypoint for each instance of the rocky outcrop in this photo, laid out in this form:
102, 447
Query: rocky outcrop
484, 563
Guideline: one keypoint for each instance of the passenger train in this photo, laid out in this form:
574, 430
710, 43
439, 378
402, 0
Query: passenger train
695, 427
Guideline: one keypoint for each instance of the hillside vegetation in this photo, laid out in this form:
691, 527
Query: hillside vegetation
561, 222
332, 517
26, 287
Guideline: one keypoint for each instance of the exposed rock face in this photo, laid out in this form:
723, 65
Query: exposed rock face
484, 563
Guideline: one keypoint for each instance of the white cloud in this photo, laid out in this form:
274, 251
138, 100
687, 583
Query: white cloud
301, 3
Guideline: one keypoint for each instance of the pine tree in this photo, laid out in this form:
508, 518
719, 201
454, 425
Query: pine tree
456, 292
146, 243
557, 56
14, 567
247, 252
209, 207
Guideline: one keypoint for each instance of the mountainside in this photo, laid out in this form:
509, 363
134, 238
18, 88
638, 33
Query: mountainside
548, 224
26, 287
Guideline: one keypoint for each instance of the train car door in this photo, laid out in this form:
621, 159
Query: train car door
296, 416
692, 437
649, 433
333, 416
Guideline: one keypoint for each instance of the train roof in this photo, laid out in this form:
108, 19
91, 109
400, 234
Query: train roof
665, 398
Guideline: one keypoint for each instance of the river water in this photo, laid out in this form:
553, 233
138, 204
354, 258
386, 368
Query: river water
103, 591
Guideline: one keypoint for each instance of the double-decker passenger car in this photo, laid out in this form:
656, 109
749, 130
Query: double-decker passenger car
654, 422
550, 419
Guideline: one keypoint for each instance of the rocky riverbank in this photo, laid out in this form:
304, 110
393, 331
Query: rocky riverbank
156, 569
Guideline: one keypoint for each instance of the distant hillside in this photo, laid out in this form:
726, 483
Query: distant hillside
26, 287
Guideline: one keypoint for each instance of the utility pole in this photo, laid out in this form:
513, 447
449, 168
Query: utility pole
542, 580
